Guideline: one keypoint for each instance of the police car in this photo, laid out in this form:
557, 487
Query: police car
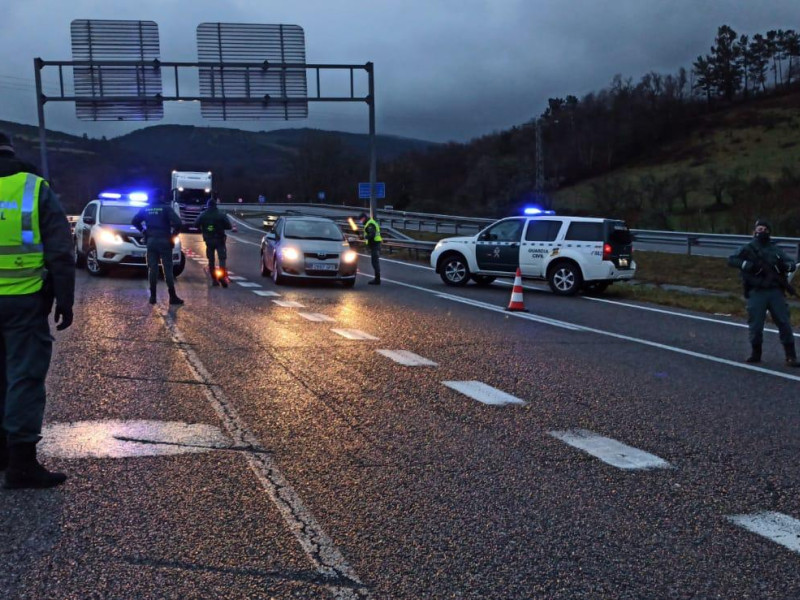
104, 237
570, 253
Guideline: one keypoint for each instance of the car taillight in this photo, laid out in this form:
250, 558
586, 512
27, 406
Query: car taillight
606, 251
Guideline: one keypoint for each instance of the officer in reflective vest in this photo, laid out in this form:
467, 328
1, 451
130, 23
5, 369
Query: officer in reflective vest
213, 223
37, 266
372, 236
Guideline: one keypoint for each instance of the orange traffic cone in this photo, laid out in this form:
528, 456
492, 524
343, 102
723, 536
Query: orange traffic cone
517, 303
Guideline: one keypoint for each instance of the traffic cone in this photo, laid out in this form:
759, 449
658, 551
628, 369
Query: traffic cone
516, 303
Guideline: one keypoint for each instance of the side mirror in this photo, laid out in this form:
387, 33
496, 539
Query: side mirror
88, 220
352, 239
271, 237
483, 237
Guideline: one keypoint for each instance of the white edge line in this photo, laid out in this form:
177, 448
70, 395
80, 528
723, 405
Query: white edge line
722, 361
776, 527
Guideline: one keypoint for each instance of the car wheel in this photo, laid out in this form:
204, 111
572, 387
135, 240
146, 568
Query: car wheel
264, 269
595, 288
483, 280
93, 265
178, 269
565, 278
80, 258
277, 278
454, 270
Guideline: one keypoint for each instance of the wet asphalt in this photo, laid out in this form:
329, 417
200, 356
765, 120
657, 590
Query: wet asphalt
354, 476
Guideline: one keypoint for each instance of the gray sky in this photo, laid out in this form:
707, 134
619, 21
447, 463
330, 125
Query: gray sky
444, 69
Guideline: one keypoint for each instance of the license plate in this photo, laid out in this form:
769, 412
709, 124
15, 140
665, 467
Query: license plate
322, 267
623, 263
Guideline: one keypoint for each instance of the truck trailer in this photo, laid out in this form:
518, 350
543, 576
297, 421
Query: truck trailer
190, 193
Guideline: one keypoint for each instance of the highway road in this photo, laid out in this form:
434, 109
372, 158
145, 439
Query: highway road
264, 441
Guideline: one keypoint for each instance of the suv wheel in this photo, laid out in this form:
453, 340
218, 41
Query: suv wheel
454, 270
178, 269
263, 261
80, 259
276, 272
93, 265
565, 278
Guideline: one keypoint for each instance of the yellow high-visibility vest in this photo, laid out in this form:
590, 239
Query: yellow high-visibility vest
21, 249
377, 237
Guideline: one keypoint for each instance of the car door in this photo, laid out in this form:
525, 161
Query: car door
497, 247
88, 219
537, 245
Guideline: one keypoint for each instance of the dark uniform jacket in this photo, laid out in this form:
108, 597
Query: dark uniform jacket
213, 223
158, 221
762, 265
59, 259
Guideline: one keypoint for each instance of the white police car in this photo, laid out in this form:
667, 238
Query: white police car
104, 236
571, 253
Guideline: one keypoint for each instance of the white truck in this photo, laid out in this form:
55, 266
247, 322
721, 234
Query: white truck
190, 192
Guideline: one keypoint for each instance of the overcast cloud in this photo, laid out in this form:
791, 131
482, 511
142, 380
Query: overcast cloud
444, 69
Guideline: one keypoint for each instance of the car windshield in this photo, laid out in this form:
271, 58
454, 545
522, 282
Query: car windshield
312, 230
118, 215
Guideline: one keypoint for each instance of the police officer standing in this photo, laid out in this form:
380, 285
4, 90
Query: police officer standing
763, 266
372, 236
160, 225
37, 265
213, 224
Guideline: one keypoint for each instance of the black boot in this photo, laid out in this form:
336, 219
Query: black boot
376, 281
755, 354
24, 471
173, 297
152, 296
791, 355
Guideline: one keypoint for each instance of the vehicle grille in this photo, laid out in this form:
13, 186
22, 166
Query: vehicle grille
323, 256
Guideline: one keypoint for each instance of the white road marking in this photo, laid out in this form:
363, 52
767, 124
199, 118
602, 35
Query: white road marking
481, 392
316, 317
354, 334
236, 277
289, 304
627, 338
121, 439
610, 450
407, 358
244, 224
318, 547
777, 527
248, 284
267, 293
243, 241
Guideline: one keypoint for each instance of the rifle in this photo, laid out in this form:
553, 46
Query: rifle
772, 273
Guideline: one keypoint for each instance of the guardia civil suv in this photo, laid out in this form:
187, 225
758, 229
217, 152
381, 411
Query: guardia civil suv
570, 253
104, 236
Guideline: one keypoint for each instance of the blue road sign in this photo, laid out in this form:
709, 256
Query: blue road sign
380, 190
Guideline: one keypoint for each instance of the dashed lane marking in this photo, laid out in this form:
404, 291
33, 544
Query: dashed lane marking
316, 317
477, 390
777, 527
354, 334
248, 284
610, 450
236, 277
318, 547
289, 304
266, 293
407, 358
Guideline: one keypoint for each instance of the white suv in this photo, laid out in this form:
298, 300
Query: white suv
571, 253
104, 237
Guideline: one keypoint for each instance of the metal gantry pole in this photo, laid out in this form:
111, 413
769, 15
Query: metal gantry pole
372, 159
40, 99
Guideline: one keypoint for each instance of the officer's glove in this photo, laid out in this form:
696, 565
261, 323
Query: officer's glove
64, 315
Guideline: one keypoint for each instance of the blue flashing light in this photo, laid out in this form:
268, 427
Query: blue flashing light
137, 197
113, 195
534, 210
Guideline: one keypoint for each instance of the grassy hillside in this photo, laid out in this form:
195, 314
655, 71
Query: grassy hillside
726, 148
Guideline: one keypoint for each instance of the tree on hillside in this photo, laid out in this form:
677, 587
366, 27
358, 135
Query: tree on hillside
703, 69
726, 70
743, 49
791, 48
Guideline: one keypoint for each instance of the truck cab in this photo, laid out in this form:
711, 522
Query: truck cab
191, 191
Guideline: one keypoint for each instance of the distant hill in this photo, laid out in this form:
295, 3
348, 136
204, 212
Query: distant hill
301, 162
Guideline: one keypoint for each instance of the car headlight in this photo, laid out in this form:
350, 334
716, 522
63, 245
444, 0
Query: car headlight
176, 240
290, 253
109, 237
350, 256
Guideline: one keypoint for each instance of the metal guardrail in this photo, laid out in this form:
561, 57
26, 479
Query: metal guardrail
418, 221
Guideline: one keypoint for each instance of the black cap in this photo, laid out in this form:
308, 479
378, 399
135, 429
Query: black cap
5, 144
764, 223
